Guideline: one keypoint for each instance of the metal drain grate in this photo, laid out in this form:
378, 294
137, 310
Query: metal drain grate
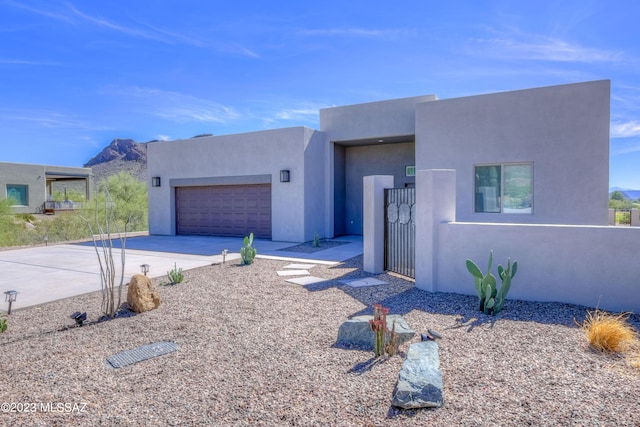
129, 357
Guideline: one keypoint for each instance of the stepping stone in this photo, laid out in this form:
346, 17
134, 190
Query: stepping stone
129, 357
300, 266
292, 272
420, 380
356, 331
367, 281
308, 280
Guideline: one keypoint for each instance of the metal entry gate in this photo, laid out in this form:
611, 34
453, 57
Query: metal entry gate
400, 230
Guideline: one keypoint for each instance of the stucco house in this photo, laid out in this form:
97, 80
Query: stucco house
31, 187
524, 173
552, 140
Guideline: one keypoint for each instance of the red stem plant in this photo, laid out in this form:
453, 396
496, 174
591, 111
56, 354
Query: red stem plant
379, 327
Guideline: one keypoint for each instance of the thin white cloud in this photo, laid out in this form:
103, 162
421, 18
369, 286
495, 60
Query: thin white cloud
174, 106
42, 12
541, 48
137, 29
297, 114
626, 129
10, 61
163, 137
354, 32
47, 119
621, 148
135, 32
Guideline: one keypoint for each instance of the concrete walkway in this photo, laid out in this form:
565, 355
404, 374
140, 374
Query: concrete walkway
48, 273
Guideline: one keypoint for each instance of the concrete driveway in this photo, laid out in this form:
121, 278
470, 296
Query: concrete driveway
48, 273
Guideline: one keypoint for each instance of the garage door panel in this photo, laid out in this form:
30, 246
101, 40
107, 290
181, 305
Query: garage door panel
224, 210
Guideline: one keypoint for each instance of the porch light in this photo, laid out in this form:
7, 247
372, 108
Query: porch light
145, 268
10, 297
155, 181
284, 175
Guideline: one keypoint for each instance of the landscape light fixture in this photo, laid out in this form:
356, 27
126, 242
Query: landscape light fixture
10, 297
224, 254
79, 317
155, 181
145, 268
285, 175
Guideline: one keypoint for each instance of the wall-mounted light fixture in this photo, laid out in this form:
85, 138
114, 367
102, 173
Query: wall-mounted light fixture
155, 181
285, 175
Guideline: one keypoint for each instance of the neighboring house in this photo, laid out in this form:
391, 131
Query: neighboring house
31, 187
546, 148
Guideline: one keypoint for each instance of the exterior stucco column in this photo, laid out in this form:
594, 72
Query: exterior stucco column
373, 221
435, 204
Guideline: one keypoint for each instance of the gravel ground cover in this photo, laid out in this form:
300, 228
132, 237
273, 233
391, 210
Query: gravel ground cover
256, 350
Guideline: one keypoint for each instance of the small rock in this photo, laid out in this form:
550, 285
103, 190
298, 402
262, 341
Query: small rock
434, 333
142, 295
420, 380
356, 331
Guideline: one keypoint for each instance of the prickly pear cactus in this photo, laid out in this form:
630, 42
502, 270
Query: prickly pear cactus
247, 252
491, 299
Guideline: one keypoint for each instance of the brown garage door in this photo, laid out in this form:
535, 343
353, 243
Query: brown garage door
224, 210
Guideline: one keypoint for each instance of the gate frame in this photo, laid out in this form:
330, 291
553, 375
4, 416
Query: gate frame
403, 253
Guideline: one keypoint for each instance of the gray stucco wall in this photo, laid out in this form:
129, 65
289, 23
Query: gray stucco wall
32, 176
563, 130
254, 154
314, 185
374, 119
549, 268
361, 161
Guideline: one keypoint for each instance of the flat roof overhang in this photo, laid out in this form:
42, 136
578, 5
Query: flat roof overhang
377, 140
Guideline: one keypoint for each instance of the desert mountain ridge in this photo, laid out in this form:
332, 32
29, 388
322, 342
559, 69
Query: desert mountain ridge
120, 155
123, 154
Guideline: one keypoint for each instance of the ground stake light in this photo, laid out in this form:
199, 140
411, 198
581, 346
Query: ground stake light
145, 268
224, 255
10, 297
79, 317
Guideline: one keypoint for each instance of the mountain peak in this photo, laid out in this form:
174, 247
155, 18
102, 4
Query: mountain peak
120, 149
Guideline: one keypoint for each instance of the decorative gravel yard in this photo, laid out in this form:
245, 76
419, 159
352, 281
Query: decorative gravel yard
256, 350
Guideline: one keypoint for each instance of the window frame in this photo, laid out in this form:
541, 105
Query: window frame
502, 165
22, 187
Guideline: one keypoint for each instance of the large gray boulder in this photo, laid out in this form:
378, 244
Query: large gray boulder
420, 380
356, 331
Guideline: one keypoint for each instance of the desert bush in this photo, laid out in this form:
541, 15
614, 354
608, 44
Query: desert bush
175, 276
130, 197
9, 229
609, 332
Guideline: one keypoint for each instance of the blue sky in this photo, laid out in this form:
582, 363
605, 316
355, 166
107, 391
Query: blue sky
76, 74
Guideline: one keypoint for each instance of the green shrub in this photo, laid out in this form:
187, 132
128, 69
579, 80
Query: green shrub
3, 324
316, 240
175, 276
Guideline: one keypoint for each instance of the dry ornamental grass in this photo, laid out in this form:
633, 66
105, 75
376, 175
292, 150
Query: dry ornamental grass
609, 332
